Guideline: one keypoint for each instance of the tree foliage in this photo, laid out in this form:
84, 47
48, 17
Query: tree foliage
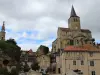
26, 67
11, 41
14, 71
35, 66
43, 49
11, 48
4, 71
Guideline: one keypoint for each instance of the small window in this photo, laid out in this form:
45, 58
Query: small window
91, 63
82, 62
74, 20
77, 42
91, 54
71, 42
74, 62
93, 73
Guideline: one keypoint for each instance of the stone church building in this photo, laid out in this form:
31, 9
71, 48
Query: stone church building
73, 35
75, 49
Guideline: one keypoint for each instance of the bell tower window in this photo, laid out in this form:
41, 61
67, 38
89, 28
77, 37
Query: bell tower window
75, 19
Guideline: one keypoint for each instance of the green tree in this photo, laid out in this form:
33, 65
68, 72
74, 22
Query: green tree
11, 48
43, 49
12, 41
35, 66
14, 50
14, 71
26, 67
4, 71
3, 45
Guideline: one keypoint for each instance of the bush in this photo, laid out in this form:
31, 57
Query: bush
26, 67
35, 66
14, 71
4, 71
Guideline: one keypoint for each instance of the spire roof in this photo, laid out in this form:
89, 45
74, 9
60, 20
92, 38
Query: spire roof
3, 26
73, 13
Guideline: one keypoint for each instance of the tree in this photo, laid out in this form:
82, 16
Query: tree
3, 45
14, 71
11, 48
26, 67
14, 49
46, 50
43, 49
12, 41
4, 71
35, 66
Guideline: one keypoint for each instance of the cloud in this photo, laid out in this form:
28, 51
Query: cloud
35, 45
35, 22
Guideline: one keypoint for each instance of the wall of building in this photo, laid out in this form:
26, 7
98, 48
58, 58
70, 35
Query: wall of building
64, 38
44, 61
68, 58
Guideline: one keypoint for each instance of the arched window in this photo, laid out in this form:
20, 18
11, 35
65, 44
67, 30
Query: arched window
74, 62
71, 42
77, 42
82, 62
75, 20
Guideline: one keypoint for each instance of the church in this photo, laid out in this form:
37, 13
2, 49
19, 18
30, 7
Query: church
73, 35
75, 49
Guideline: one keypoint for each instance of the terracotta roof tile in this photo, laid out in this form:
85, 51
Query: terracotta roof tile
91, 47
86, 47
74, 48
30, 51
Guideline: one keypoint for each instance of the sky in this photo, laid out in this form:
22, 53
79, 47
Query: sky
34, 22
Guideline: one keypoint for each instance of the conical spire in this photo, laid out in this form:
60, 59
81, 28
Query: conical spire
73, 13
3, 26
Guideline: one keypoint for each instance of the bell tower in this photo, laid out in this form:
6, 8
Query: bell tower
74, 20
2, 33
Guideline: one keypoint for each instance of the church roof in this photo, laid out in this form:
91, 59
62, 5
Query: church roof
73, 13
86, 47
68, 30
74, 48
55, 40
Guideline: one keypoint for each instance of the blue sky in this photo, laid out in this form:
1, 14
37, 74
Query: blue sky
30, 39
34, 22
